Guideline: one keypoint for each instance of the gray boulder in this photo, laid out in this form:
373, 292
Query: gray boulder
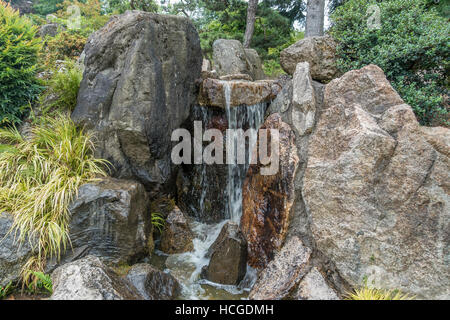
153, 284
50, 30
314, 287
90, 279
319, 52
228, 254
110, 220
177, 235
13, 255
138, 86
255, 64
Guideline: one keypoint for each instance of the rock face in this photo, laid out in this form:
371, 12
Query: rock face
111, 220
139, 85
282, 275
230, 57
376, 188
212, 92
319, 52
13, 255
153, 284
90, 279
267, 199
228, 253
303, 100
314, 287
177, 235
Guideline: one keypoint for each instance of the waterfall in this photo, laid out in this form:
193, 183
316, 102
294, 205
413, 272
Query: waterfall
237, 117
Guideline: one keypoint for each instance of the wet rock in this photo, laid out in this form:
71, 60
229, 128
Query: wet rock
110, 220
319, 52
314, 287
138, 86
89, 279
228, 254
240, 76
242, 92
13, 254
267, 199
153, 284
282, 275
377, 187
177, 235
255, 64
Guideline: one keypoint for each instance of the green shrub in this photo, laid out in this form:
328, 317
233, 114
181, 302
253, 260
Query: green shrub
39, 177
18, 61
62, 90
411, 47
65, 46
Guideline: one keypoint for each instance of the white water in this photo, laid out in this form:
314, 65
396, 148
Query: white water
187, 267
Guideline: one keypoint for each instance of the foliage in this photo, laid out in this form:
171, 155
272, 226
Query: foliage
366, 293
44, 7
120, 6
39, 176
291, 9
43, 282
18, 61
65, 46
62, 90
158, 221
411, 47
5, 291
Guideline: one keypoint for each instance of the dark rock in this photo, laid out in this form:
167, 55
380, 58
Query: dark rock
89, 279
268, 199
110, 220
255, 64
228, 254
153, 284
177, 235
13, 254
138, 86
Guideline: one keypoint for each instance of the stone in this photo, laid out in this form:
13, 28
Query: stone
138, 86
303, 100
50, 30
241, 76
153, 284
376, 188
110, 219
229, 57
13, 253
267, 199
314, 287
283, 274
228, 253
89, 279
177, 235
319, 52
24, 6
255, 64
206, 65
243, 92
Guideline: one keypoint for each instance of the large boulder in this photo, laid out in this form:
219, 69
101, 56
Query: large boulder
110, 220
376, 188
319, 52
230, 57
267, 199
90, 279
283, 274
177, 235
13, 254
138, 86
228, 254
153, 284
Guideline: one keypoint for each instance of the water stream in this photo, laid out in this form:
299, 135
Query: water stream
186, 267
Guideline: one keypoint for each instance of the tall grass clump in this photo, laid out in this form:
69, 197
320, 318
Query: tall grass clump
367, 293
39, 177
19, 49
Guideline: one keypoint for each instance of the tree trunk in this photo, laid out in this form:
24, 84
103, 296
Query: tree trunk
251, 17
315, 17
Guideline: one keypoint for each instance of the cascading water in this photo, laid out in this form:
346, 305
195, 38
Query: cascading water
186, 267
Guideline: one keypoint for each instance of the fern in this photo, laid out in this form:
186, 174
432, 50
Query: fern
158, 221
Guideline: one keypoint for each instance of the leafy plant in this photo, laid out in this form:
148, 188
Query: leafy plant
43, 282
19, 48
5, 291
39, 177
63, 88
411, 46
158, 221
